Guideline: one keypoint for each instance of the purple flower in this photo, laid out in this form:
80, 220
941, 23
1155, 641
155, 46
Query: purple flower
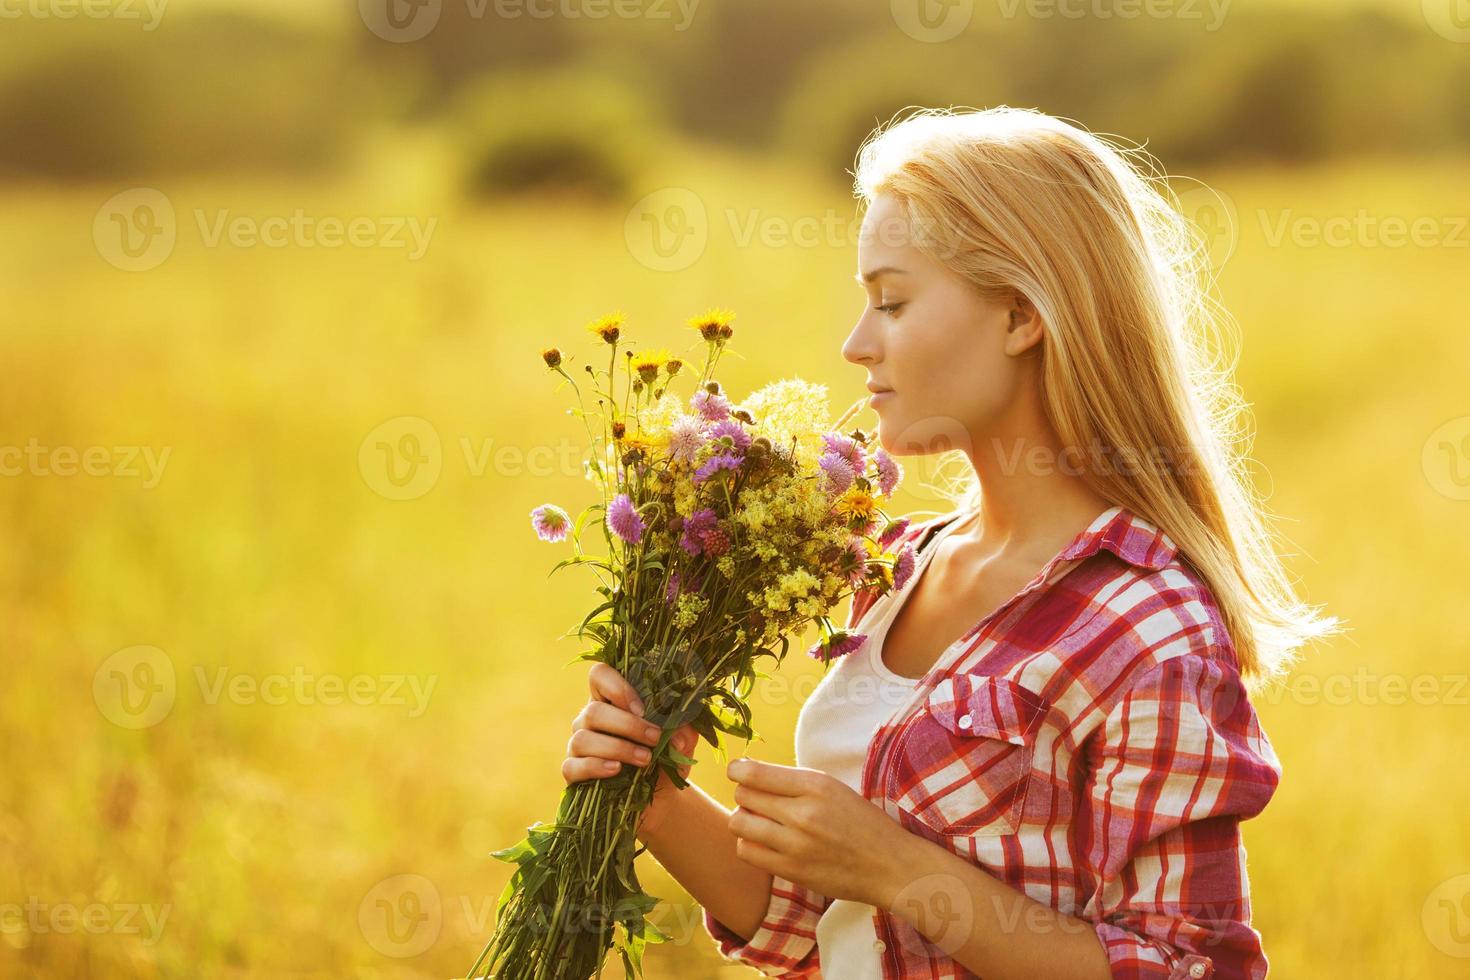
893, 532
715, 408
734, 432
903, 567
845, 447
623, 519
889, 472
724, 461
551, 522
839, 644
692, 540
839, 471
681, 582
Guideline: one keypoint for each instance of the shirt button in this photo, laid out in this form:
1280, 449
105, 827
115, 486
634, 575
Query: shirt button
1197, 971
880, 945
965, 721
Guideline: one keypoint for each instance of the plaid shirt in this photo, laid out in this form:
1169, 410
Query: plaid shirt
1090, 744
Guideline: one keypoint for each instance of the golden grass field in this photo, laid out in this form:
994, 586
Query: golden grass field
268, 832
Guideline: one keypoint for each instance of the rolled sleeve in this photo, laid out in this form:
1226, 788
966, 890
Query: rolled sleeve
785, 944
1178, 763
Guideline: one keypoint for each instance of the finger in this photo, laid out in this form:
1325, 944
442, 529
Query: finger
595, 744
770, 805
685, 739
783, 780
610, 686
576, 770
599, 716
751, 826
760, 856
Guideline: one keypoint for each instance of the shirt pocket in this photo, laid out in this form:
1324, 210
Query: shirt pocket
963, 763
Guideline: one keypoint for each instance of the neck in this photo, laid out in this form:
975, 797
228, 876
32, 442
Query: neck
1029, 492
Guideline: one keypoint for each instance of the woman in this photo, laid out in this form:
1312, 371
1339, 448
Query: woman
1037, 763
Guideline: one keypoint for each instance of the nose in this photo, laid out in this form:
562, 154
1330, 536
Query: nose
860, 347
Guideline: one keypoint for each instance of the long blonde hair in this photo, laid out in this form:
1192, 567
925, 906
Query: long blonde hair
1018, 200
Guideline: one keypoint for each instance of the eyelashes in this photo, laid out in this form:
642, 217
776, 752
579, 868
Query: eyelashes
889, 308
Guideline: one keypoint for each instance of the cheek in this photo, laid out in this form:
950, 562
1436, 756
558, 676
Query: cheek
944, 396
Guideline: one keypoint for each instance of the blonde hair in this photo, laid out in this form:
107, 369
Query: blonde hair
1018, 200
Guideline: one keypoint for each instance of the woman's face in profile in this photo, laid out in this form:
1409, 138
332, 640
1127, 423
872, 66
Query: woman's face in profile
941, 349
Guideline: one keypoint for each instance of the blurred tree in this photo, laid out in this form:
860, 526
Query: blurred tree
213, 91
572, 129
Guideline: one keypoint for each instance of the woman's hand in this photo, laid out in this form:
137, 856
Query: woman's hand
811, 828
610, 731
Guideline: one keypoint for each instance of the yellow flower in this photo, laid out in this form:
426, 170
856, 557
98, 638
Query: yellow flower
607, 327
648, 363
714, 324
635, 443
856, 503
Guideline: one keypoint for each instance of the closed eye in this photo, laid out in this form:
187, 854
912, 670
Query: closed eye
889, 308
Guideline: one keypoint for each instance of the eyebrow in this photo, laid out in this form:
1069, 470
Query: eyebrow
872, 274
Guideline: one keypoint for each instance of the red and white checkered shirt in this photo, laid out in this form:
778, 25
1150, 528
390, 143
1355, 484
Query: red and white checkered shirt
1090, 744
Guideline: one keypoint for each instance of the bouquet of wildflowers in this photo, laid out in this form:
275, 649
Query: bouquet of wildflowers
728, 528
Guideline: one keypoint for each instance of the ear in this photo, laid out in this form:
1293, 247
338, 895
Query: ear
1024, 332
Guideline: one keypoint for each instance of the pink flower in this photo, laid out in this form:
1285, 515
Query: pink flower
686, 437
845, 447
623, 519
903, 567
839, 644
839, 471
889, 472
858, 556
715, 408
551, 522
893, 532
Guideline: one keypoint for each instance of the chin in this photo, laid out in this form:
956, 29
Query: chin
884, 436
902, 435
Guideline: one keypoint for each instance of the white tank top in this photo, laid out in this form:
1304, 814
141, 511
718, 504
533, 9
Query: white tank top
833, 730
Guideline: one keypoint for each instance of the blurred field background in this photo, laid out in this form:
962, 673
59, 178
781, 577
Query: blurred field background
268, 704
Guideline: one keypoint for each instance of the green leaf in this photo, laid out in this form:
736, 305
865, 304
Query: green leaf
677, 756
518, 853
592, 560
